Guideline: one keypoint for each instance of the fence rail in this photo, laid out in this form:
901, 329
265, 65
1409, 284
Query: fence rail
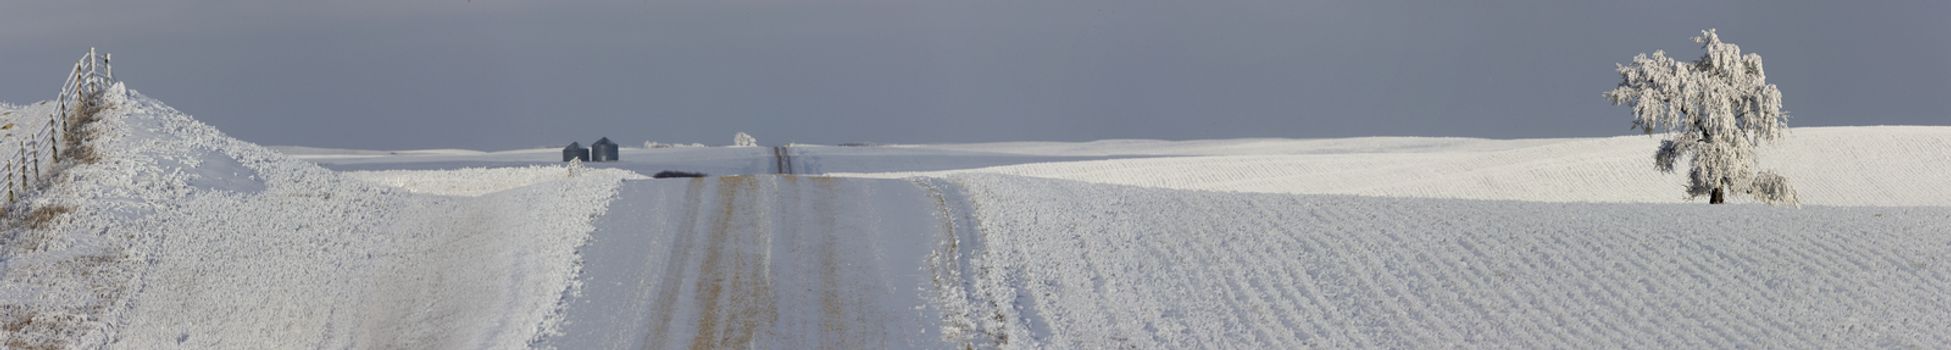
36, 155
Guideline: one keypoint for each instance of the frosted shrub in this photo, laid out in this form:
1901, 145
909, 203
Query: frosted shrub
1714, 111
744, 140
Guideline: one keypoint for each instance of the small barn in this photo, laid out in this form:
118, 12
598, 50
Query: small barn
575, 151
603, 150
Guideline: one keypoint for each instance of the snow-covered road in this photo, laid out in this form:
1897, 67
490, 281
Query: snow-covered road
760, 262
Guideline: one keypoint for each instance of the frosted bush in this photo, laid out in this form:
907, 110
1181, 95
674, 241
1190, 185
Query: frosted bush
744, 140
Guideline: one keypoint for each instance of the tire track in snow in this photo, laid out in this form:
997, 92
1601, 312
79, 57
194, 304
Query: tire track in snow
782, 161
950, 270
734, 291
843, 320
981, 307
763, 262
665, 306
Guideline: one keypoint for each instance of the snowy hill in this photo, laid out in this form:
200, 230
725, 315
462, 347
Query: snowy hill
1065, 264
184, 238
1876, 166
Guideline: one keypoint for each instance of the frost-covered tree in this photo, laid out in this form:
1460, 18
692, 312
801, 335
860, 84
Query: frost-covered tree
1714, 111
744, 140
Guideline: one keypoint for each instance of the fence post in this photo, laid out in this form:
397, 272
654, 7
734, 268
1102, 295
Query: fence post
10, 186
54, 142
21, 176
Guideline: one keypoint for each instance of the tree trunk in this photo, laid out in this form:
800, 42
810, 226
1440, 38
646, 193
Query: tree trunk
1718, 198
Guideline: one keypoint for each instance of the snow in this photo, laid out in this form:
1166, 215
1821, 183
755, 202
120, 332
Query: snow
318, 153
1067, 264
184, 238
18, 123
1234, 147
1858, 166
17, 114
366, 269
470, 182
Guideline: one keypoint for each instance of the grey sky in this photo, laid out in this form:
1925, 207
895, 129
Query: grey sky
499, 74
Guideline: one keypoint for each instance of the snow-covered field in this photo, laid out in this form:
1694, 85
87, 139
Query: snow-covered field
1066, 264
1858, 166
184, 238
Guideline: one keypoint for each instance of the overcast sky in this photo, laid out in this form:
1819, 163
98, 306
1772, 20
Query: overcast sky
501, 74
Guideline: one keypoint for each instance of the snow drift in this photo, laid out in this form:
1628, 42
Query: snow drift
183, 237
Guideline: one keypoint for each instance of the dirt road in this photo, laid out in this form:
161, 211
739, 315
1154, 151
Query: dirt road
758, 262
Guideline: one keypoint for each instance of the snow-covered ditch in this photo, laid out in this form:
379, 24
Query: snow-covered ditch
1065, 264
182, 237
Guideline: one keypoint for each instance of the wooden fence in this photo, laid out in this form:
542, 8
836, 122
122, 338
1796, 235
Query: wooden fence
37, 152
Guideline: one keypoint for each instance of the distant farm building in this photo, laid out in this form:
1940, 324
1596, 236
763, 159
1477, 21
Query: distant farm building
603, 150
575, 151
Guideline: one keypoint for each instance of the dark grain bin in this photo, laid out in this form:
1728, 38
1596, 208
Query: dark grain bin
575, 151
603, 150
